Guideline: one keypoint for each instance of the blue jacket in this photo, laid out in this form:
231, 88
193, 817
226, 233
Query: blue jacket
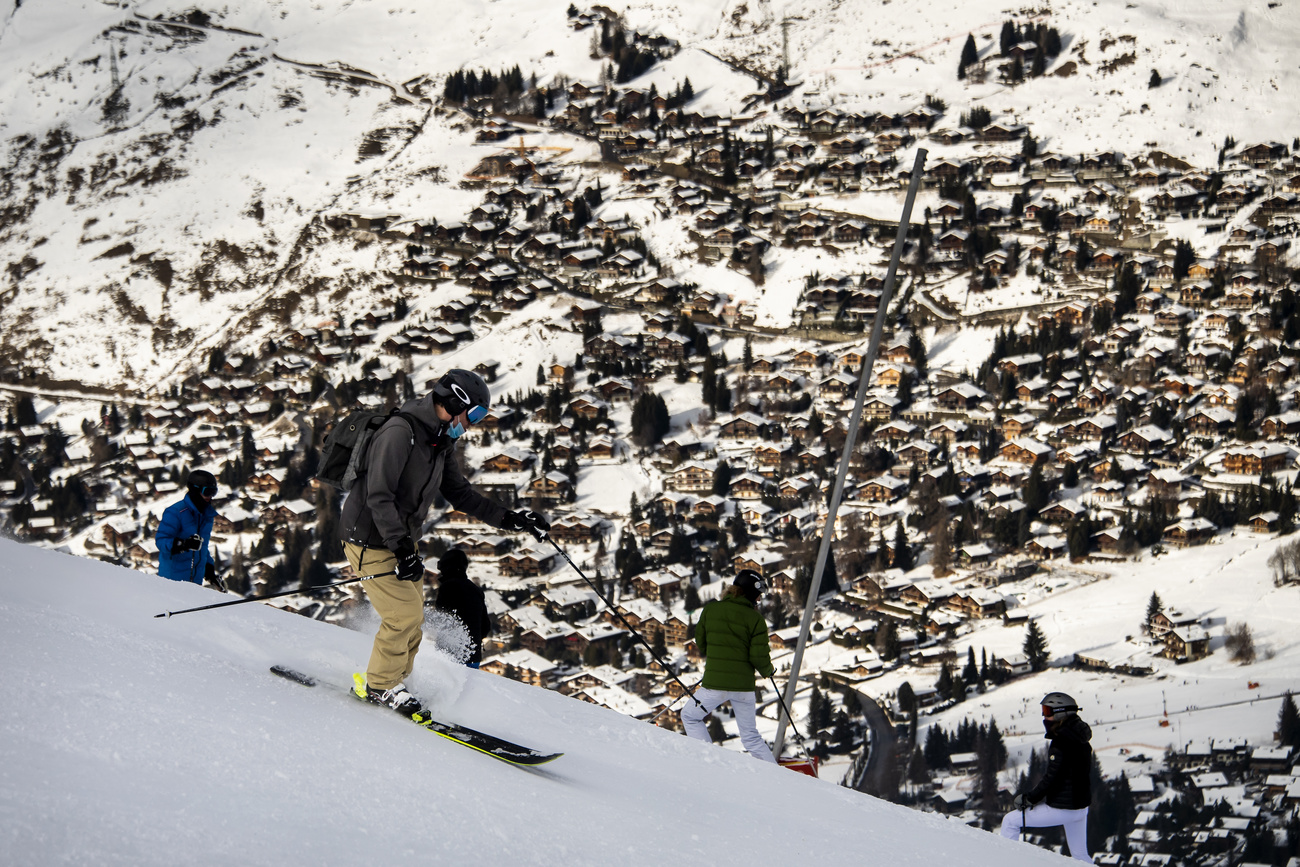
180, 521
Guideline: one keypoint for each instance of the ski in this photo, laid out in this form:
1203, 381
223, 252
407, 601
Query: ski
497, 748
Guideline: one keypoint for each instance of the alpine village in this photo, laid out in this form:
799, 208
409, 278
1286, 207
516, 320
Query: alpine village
1143, 397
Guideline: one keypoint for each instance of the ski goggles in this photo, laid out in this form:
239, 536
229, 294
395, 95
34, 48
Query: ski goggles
207, 490
474, 413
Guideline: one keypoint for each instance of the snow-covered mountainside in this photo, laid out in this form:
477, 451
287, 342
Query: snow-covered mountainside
131, 739
166, 169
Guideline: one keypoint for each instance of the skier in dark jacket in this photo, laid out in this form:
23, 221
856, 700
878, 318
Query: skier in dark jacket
410, 461
184, 531
1062, 796
463, 599
732, 637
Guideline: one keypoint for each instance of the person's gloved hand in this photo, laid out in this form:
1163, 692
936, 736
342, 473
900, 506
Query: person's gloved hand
409, 565
1020, 802
193, 543
527, 519
210, 573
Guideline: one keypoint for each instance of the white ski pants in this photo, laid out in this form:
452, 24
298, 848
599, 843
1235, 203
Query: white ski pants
1075, 823
742, 703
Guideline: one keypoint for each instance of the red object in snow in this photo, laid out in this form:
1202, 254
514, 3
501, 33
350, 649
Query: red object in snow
802, 766
1252, 684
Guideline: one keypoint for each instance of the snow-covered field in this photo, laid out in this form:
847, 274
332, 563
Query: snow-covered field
1093, 608
136, 740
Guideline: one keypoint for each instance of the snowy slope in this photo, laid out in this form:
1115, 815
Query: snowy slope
1227, 67
1091, 609
232, 145
130, 739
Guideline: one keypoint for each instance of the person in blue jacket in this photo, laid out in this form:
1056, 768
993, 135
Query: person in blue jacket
184, 531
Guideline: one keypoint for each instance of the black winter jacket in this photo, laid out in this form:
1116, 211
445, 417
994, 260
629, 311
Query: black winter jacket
407, 466
1067, 782
462, 597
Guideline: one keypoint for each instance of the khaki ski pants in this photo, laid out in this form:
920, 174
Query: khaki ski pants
401, 614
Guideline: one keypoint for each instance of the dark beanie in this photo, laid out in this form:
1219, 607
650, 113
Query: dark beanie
454, 562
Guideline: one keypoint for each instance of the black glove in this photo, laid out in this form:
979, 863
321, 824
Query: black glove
526, 519
210, 573
409, 565
1020, 802
193, 543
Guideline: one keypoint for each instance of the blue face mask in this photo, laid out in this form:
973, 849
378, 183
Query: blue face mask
455, 429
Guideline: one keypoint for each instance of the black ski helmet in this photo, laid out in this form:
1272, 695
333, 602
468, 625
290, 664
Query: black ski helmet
1060, 704
458, 390
202, 483
750, 583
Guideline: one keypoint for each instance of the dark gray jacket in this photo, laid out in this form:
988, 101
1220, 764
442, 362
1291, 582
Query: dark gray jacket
406, 467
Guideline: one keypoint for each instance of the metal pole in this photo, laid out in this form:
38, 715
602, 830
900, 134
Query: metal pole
864, 376
272, 596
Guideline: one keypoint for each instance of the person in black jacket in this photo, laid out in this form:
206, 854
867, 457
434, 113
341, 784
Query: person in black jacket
1062, 796
463, 599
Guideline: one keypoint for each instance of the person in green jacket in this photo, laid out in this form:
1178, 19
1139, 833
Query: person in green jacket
732, 638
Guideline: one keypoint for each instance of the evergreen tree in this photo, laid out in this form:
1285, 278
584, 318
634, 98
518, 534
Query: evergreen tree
941, 548
691, 599
969, 55
819, 710
971, 673
902, 550
1035, 647
937, 753
944, 685
1288, 723
887, 642
650, 420
1007, 38
1184, 258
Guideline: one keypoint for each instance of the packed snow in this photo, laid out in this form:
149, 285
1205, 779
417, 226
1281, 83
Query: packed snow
133, 739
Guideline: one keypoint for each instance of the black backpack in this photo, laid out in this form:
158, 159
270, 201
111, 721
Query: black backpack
343, 454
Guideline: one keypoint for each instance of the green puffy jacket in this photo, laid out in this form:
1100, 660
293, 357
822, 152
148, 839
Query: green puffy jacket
732, 638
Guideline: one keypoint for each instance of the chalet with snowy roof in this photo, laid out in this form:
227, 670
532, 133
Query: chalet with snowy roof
918, 453
924, 594
882, 489
1025, 451
550, 489
744, 426
895, 433
977, 603
747, 486
528, 562
1145, 439
960, 396
1062, 513
1187, 643
1190, 531
1257, 458
522, 665
1046, 547
290, 512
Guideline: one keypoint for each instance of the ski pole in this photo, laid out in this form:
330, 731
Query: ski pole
789, 717
273, 595
667, 708
544, 536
